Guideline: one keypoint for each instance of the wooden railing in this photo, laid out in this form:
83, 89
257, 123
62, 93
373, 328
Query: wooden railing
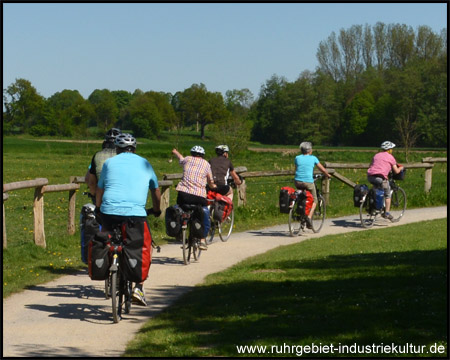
41, 187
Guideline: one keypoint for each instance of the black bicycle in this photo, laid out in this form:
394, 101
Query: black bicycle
368, 213
190, 240
297, 216
117, 286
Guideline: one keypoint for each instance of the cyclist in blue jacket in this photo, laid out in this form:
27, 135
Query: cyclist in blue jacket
304, 169
123, 189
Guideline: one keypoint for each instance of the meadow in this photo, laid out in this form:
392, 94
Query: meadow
26, 158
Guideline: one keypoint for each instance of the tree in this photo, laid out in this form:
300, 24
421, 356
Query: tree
105, 108
143, 117
23, 105
199, 106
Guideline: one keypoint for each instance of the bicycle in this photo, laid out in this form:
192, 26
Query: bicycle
297, 216
368, 213
190, 243
225, 227
117, 286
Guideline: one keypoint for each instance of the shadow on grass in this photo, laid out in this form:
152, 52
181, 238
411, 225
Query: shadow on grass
366, 299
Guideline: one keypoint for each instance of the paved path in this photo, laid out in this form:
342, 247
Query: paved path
71, 317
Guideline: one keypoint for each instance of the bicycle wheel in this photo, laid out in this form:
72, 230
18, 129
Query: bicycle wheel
294, 221
107, 287
194, 249
212, 230
114, 297
319, 214
367, 217
226, 227
185, 247
398, 204
128, 288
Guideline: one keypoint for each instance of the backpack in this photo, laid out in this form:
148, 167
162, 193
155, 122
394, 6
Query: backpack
88, 228
305, 200
358, 193
98, 256
173, 220
222, 207
287, 195
137, 250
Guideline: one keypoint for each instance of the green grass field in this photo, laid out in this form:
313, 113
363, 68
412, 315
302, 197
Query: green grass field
26, 158
386, 286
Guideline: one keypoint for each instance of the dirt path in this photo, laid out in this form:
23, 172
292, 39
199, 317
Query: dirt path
71, 317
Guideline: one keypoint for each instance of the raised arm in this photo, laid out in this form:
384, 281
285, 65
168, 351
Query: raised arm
177, 154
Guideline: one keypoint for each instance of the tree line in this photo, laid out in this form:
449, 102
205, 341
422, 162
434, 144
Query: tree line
372, 84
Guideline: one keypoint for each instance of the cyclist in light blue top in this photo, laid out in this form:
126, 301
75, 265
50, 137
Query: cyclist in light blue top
123, 189
304, 168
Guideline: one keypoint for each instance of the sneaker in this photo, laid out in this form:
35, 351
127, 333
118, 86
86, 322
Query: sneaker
138, 297
308, 223
202, 246
388, 216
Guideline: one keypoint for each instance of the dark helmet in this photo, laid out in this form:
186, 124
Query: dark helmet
112, 134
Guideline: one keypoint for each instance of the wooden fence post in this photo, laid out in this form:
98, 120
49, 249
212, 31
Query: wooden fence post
242, 193
5, 197
428, 177
38, 208
326, 189
72, 210
165, 195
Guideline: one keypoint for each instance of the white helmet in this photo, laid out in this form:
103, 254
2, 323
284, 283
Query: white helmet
387, 145
197, 150
125, 140
220, 149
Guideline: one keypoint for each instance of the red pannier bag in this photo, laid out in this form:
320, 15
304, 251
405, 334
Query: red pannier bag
222, 207
305, 201
287, 196
137, 250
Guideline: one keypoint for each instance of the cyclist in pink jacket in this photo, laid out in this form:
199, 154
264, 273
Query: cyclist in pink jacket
379, 169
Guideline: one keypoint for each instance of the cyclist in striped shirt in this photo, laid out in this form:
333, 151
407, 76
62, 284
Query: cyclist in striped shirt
192, 187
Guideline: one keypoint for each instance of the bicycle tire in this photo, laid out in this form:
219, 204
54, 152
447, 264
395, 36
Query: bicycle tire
294, 221
107, 287
212, 230
398, 204
367, 217
114, 303
127, 296
185, 247
226, 227
318, 217
194, 249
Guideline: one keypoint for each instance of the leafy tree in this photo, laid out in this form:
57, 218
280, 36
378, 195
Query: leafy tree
23, 106
199, 106
143, 117
105, 108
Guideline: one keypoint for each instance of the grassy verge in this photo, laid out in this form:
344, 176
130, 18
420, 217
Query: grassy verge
24, 158
364, 288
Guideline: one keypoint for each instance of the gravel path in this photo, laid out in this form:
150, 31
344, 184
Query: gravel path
71, 317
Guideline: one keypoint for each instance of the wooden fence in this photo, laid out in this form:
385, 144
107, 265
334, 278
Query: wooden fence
41, 187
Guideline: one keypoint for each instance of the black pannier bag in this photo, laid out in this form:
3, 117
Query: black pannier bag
173, 220
99, 257
301, 202
358, 193
285, 199
137, 250
197, 227
88, 228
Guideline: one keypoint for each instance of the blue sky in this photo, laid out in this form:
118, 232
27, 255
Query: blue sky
169, 47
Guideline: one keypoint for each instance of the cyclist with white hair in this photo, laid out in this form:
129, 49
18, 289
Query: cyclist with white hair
192, 187
122, 192
379, 169
304, 171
